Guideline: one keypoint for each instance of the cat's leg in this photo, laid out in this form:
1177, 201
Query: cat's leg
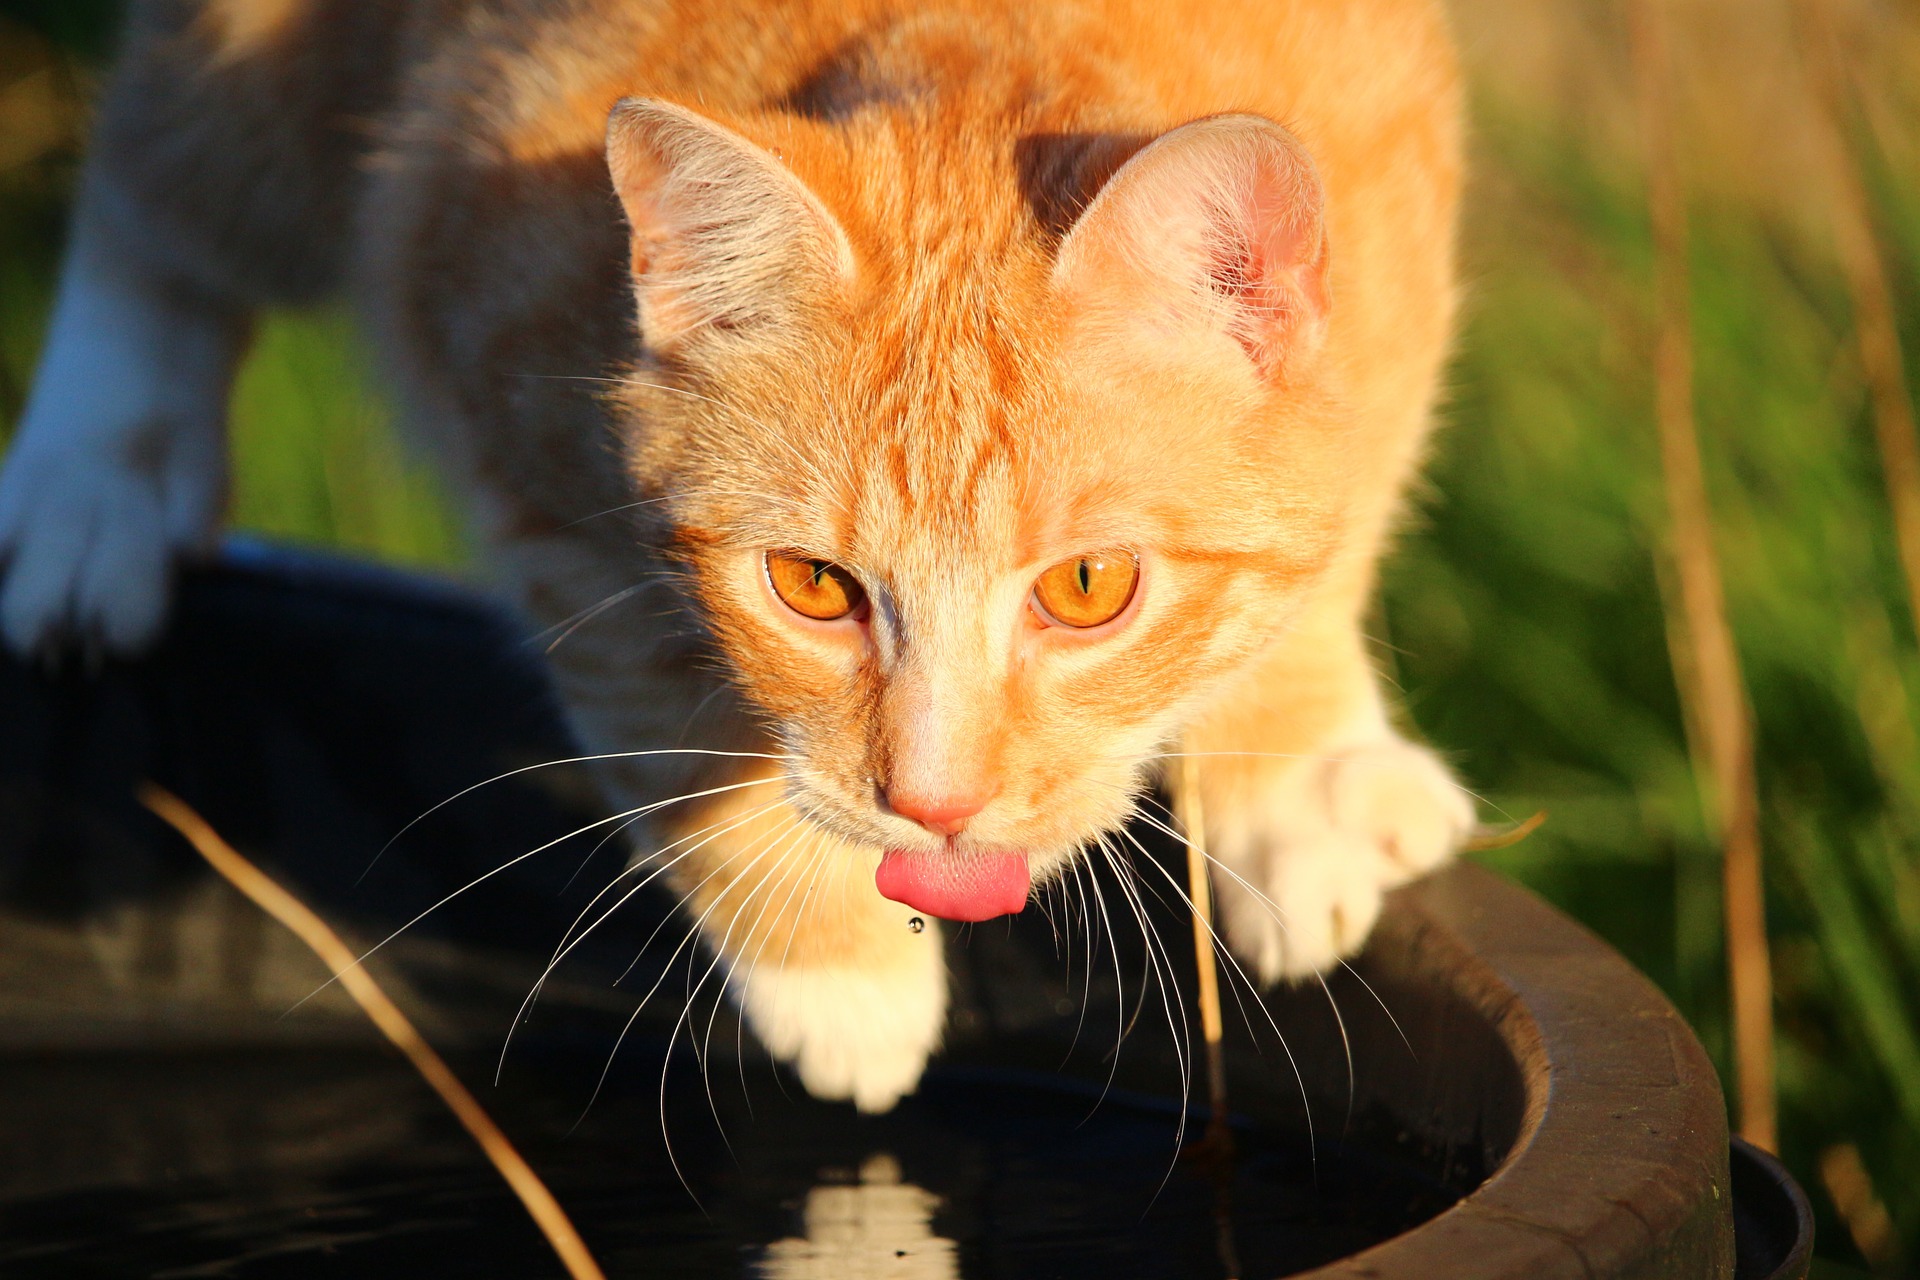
835, 980
119, 464
1315, 805
223, 173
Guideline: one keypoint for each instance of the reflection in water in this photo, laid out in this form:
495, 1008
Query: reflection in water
264, 1165
877, 1229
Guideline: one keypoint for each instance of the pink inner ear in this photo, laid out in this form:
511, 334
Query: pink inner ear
1223, 210
724, 235
1269, 258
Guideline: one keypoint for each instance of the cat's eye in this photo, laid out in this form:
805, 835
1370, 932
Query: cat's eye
813, 588
1087, 590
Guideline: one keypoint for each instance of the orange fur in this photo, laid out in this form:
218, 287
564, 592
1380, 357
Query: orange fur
919, 293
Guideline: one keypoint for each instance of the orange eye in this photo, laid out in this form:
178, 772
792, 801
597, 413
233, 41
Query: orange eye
1087, 590
818, 589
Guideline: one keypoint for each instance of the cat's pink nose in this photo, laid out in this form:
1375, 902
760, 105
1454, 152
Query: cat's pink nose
942, 815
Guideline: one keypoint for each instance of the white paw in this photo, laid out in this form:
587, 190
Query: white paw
119, 464
88, 553
1318, 851
851, 1033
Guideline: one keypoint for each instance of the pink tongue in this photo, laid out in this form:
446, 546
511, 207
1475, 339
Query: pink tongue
977, 886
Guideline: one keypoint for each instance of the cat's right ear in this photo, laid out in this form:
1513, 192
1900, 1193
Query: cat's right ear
725, 238
1209, 244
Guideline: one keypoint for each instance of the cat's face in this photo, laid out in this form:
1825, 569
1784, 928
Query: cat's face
973, 517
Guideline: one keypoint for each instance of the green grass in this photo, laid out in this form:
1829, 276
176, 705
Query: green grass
1523, 608
316, 457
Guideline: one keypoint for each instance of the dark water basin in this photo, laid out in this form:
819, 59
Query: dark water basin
1488, 1092
337, 1164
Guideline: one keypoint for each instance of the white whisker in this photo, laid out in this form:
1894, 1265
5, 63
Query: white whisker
728, 823
569, 941
1120, 1025
1362, 980
758, 843
625, 506
1235, 970
588, 614
1170, 995
802, 868
1086, 978
515, 861
701, 1053
549, 764
685, 941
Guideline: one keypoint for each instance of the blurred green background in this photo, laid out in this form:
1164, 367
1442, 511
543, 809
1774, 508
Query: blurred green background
1523, 612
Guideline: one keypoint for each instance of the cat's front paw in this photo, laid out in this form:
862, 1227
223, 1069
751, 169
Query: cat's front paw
1311, 858
119, 464
88, 540
856, 1034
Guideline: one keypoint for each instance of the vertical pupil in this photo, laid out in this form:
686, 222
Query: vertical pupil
1086, 576
819, 568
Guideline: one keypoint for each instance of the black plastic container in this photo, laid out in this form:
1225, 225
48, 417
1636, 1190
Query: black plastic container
1488, 1092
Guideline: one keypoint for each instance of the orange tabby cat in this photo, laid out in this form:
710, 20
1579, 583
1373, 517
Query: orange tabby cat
1017, 391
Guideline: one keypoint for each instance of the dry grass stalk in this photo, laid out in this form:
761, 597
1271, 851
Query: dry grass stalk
1711, 682
1866, 270
1851, 1190
1186, 801
338, 957
1487, 838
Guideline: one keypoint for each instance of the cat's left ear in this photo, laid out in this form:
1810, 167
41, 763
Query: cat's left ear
725, 238
1213, 233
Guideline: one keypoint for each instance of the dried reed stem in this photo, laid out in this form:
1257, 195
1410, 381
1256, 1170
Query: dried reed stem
1866, 271
1851, 1189
325, 943
1186, 802
1485, 839
1711, 682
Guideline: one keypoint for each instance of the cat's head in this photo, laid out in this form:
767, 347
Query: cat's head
977, 510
